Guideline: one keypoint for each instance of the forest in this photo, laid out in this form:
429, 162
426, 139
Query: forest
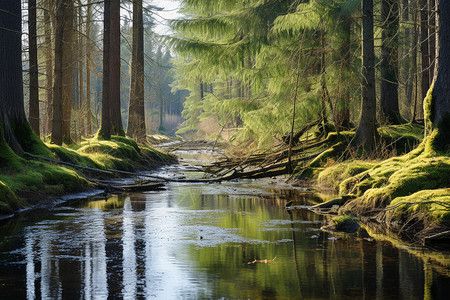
349, 94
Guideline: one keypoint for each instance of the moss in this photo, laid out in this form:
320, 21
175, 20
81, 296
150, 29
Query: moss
347, 223
19, 176
29, 141
8, 200
430, 206
335, 174
428, 109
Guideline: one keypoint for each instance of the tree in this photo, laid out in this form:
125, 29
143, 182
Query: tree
389, 61
34, 74
15, 131
424, 47
88, 49
136, 114
48, 66
111, 117
63, 73
366, 134
437, 103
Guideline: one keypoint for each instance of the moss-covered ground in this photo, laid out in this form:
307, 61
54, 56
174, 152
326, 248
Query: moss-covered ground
408, 194
24, 179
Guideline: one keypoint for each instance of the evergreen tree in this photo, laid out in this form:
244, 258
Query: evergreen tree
111, 109
136, 114
34, 74
63, 73
366, 134
437, 103
15, 130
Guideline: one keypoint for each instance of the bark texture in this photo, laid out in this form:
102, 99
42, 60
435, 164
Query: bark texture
136, 114
437, 107
34, 74
366, 134
14, 127
88, 70
63, 73
389, 61
111, 114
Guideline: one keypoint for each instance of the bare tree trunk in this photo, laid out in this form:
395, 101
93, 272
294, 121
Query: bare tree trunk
111, 114
413, 75
136, 113
432, 36
437, 107
425, 51
105, 129
88, 70
80, 71
15, 131
407, 79
63, 73
34, 72
366, 134
48, 65
389, 62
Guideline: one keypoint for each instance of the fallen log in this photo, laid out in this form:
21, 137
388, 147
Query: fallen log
110, 188
439, 239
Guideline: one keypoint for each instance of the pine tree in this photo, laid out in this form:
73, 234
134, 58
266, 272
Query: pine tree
15, 131
34, 74
437, 103
63, 73
366, 134
136, 114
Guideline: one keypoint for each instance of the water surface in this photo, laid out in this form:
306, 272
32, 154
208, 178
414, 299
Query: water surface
205, 241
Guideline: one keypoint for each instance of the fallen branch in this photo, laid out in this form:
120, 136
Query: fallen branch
266, 261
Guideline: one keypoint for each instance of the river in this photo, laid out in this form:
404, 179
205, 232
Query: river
233, 240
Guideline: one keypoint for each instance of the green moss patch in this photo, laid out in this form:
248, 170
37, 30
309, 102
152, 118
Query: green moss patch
347, 223
27, 177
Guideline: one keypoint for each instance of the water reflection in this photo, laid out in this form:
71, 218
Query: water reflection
196, 241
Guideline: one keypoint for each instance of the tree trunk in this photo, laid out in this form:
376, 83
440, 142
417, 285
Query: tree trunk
48, 65
366, 134
105, 130
15, 131
80, 71
34, 72
406, 66
136, 113
389, 62
413, 74
63, 73
88, 70
424, 49
432, 36
437, 107
111, 117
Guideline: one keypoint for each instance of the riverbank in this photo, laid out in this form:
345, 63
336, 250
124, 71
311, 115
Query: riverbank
54, 171
402, 185
405, 195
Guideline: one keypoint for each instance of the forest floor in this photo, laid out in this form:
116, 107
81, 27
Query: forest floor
38, 179
400, 189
